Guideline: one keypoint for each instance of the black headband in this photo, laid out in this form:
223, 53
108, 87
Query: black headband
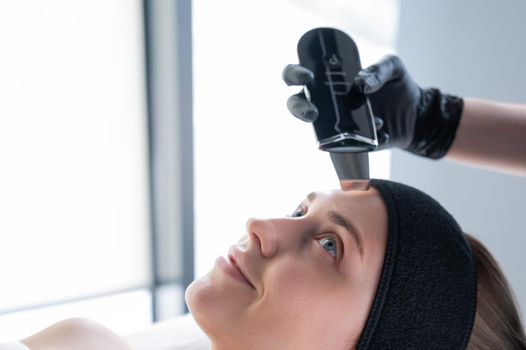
427, 295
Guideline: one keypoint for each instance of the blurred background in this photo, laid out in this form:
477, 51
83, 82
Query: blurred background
137, 138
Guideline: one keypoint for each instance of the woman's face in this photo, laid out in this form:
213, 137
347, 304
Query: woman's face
301, 282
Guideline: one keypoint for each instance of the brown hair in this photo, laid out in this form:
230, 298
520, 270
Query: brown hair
497, 322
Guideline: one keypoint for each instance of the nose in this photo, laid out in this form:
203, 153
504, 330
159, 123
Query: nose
264, 234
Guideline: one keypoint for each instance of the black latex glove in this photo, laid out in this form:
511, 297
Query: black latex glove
421, 121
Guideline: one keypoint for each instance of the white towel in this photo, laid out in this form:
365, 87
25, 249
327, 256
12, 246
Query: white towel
13, 346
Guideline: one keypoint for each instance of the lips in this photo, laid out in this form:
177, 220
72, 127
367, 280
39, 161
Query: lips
234, 256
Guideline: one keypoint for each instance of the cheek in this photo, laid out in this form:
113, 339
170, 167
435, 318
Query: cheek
295, 284
324, 309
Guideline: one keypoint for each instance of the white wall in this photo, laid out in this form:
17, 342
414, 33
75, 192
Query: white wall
470, 48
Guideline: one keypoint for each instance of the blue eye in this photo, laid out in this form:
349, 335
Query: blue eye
330, 245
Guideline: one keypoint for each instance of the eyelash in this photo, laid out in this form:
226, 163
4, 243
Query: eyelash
302, 210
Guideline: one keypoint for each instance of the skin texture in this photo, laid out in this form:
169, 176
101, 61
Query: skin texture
491, 135
76, 334
303, 292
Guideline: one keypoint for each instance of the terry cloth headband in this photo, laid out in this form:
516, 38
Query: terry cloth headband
427, 295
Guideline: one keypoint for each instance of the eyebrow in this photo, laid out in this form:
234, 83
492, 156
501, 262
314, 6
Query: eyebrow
311, 196
340, 220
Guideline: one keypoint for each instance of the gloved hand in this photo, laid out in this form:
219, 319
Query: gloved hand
421, 121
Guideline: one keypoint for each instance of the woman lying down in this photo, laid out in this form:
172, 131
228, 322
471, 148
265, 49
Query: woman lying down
382, 268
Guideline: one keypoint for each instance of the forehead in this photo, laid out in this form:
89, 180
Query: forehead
363, 207
350, 197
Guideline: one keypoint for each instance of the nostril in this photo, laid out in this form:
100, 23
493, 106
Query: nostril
263, 236
256, 241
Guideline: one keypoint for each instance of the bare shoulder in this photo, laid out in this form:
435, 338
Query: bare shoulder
76, 334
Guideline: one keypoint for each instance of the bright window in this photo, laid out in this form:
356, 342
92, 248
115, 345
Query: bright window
73, 183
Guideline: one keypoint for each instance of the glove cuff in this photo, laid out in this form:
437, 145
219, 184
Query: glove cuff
437, 123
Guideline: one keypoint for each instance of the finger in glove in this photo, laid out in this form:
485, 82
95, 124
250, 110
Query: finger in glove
295, 74
301, 108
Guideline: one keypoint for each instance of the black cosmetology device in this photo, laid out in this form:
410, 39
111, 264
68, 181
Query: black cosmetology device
345, 127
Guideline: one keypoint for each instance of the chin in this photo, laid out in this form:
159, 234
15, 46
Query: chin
216, 304
200, 301
197, 294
